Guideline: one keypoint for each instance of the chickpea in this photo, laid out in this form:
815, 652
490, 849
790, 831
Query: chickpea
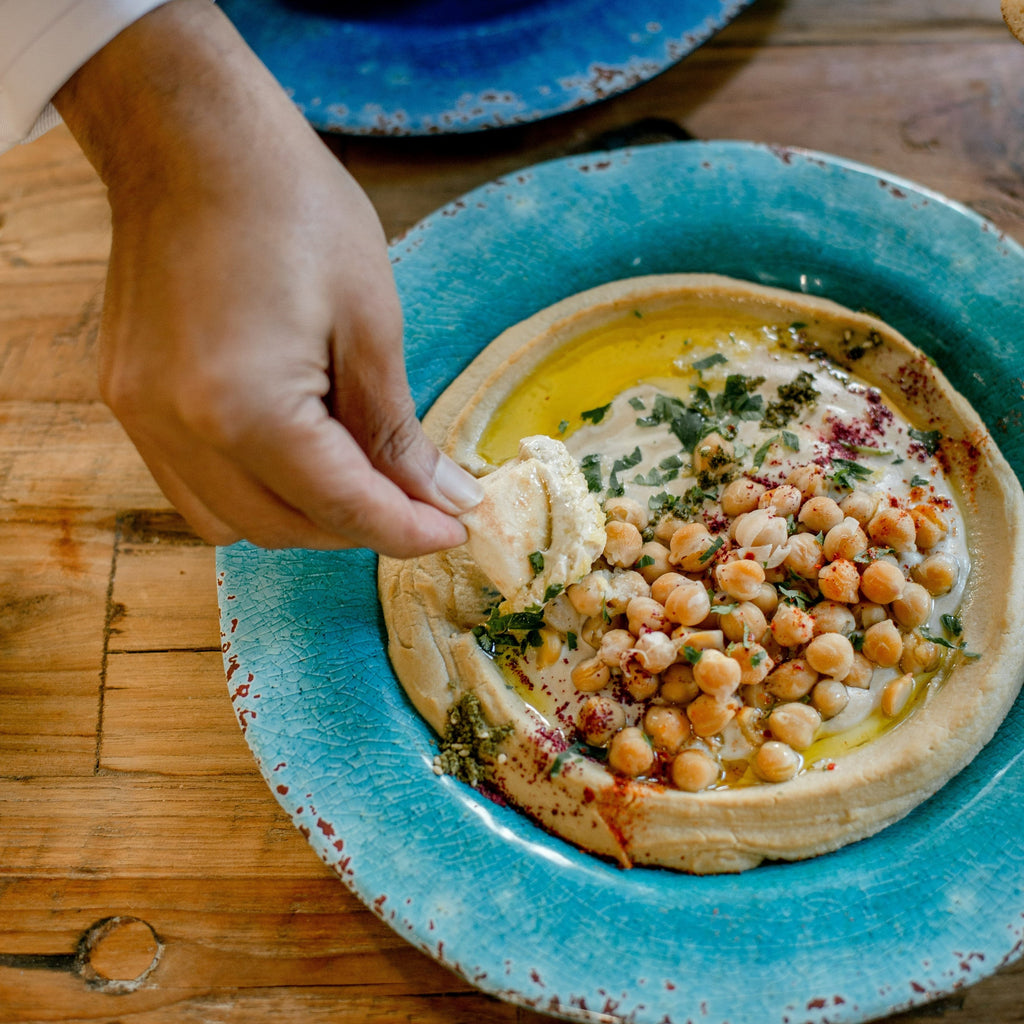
791, 626
929, 524
668, 727
640, 683
794, 724
688, 547
783, 500
896, 695
820, 514
867, 613
644, 614
839, 581
694, 770
677, 684
919, 655
860, 505
756, 696
666, 526
776, 761
913, 607
740, 496
666, 583
741, 578
830, 696
804, 556
658, 565
758, 528
791, 680
688, 604
626, 510
893, 527
882, 582
937, 574
717, 674
808, 479
699, 639
746, 622
709, 716
591, 675
655, 652
600, 718
593, 629
750, 721
831, 654
589, 595
612, 644
550, 649
832, 617
630, 752
623, 542
767, 599
883, 644
754, 661
712, 455
846, 540
860, 675
622, 588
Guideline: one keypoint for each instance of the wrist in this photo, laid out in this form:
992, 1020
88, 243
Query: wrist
175, 102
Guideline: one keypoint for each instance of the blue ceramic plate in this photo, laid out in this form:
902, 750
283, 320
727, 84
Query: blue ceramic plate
925, 907
416, 67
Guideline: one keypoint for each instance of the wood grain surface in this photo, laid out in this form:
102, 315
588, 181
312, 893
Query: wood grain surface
146, 874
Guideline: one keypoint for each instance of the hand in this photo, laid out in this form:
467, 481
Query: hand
251, 341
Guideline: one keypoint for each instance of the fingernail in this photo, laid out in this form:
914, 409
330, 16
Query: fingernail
456, 485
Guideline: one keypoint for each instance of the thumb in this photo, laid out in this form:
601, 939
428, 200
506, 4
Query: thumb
403, 453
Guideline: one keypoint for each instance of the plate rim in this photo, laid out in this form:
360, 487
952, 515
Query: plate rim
506, 79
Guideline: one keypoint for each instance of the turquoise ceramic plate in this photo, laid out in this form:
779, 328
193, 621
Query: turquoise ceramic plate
927, 906
418, 67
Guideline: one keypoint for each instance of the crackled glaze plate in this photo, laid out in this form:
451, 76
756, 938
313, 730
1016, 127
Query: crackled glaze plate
925, 907
418, 67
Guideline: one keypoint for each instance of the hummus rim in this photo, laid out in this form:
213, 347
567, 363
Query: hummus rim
436, 658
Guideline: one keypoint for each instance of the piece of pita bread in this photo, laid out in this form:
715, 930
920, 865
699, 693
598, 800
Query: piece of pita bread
1013, 15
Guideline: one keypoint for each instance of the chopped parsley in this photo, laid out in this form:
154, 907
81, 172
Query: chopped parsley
790, 595
951, 625
788, 439
615, 488
918, 481
595, 415
510, 633
928, 439
591, 468
692, 654
953, 628
709, 553
847, 473
715, 359
536, 559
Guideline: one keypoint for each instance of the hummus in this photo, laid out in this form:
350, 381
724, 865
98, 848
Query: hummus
748, 590
539, 527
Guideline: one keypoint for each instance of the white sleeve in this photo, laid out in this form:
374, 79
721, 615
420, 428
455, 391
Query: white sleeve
42, 44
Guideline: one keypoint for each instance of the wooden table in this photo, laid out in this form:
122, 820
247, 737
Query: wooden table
134, 827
